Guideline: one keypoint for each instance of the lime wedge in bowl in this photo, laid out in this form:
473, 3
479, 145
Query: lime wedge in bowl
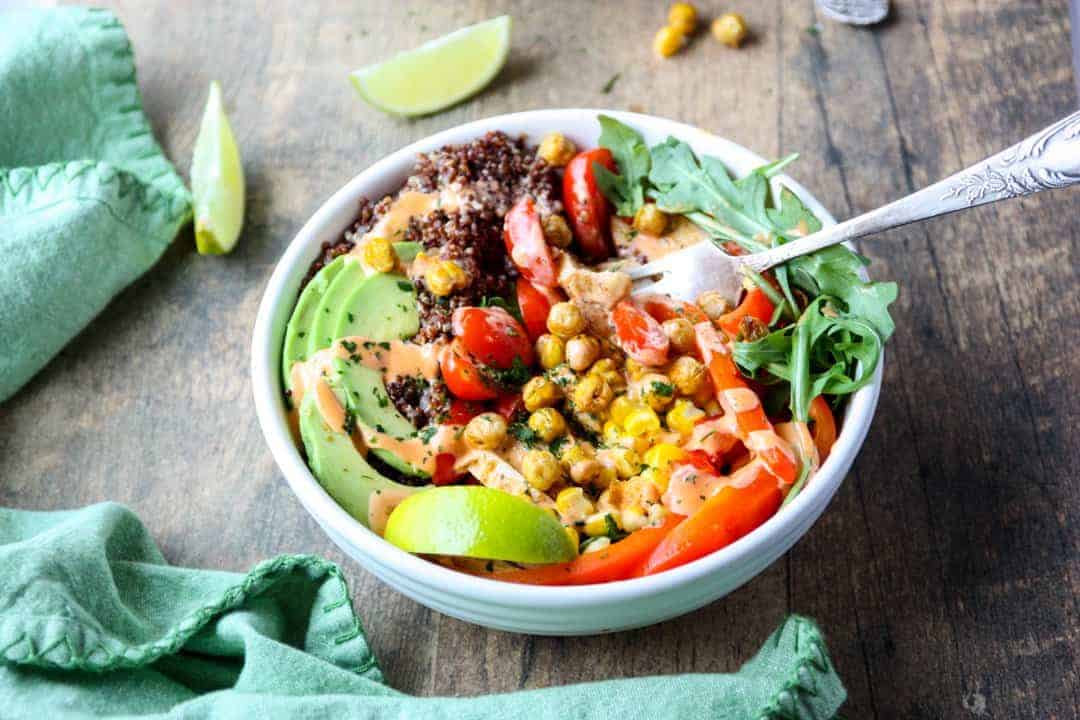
217, 181
437, 74
478, 522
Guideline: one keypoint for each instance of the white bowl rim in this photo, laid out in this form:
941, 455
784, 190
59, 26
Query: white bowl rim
269, 402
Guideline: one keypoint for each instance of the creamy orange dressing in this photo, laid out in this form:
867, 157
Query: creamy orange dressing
381, 504
739, 399
689, 488
407, 205
681, 233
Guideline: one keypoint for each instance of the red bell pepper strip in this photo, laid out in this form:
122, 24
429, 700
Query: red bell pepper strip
724, 518
615, 562
756, 304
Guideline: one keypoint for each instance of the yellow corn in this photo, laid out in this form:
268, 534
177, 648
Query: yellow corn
663, 455
633, 518
572, 504
627, 462
379, 255
597, 524
621, 407
683, 417
641, 421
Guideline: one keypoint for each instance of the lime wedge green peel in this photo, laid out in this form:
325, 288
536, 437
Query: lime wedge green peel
478, 522
438, 74
217, 181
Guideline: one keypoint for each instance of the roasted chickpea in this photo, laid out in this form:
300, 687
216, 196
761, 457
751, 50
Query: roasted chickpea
656, 390
556, 231
565, 320
681, 334
540, 469
581, 352
687, 375
592, 394
556, 149
551, 351
730, 29
683, 16
540, 393
650, 219
713, 304
486, 431
548, 423
379, 254
605, 368
668, 41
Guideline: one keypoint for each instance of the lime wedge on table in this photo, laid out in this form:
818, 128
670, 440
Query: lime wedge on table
217, 181
479, 522
438, 74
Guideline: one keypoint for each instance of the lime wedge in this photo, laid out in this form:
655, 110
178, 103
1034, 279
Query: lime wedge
438, 74
479, 522
217, 181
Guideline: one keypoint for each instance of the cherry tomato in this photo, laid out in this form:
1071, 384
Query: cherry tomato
492, 336
509, 405
444, 469
665, 308
589, 210
640, 336
461, 375
524, 237
535, 303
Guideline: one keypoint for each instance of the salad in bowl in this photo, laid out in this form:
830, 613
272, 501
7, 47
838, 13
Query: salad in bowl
471, 375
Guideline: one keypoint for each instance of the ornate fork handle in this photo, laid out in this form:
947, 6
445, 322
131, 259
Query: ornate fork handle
1047, 160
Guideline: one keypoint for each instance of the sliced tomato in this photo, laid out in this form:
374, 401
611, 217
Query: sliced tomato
665, 308
444, 469
524, 237
640, 335
535, 303
756, 304
615, 562
492, 336
824, 426
509, 404
588, 209
724, 518
461, 375
462, 411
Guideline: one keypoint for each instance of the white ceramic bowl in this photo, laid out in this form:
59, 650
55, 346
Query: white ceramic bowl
539, 610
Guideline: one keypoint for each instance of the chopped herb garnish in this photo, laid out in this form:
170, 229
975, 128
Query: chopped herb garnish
384, 345
349, 345
405, 285
352, 318
557, 445
610, 84
427, 433
350, 423
514, 376
663, 389
524, 433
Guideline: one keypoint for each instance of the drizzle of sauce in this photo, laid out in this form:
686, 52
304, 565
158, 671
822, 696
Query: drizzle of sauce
407, 205
381, 504
681, 233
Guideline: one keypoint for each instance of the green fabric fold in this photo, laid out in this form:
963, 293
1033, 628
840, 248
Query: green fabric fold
88, 202
94, 623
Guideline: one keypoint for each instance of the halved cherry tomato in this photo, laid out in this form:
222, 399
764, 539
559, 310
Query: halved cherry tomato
588, 209
824, 430
665, 308
724, 518
492, 336
509, 405
640, 336
535, 303
461, 375
756, 304
524, 238
444, 469
462, 411
615, 562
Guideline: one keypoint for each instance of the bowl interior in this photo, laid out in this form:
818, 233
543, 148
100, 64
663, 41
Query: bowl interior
385, 177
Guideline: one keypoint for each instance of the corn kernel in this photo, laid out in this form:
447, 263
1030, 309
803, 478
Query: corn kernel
633, 518
548, 423
551, 351
572, 505
627, 463
668, 41
641, 421
556, 149
657, 513
683, 416
539, 393
556, 231
663, 455
635, 369
650, 219
612, 433
600, 543
730, 29
597, 524
683, 16
570, 454
443, 277
540, 469
655, 477
621, 407
379, 255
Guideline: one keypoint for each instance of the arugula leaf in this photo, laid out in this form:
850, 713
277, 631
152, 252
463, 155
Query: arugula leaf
627, 189
818, 355
834, 271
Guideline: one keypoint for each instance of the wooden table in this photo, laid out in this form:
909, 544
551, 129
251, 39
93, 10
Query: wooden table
945, 572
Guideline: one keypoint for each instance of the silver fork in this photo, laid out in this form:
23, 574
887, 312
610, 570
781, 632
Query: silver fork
1047, 160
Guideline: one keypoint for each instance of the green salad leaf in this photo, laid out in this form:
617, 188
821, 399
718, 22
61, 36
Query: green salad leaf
627, 189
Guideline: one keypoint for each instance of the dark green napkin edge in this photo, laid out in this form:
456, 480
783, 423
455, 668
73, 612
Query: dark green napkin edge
813, 683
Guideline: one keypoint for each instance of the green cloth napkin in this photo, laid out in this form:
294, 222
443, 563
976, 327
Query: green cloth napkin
87, 200
94, 623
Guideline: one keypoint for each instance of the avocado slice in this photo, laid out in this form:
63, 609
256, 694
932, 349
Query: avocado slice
340, 468
383, 307
298, 330
332, 305
360, 389
407, 250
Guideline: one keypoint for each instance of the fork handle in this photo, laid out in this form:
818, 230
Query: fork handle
1047, 160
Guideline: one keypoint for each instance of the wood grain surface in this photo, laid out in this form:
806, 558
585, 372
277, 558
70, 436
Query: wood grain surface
945, 573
